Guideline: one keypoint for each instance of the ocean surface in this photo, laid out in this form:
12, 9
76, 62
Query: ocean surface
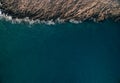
88, 52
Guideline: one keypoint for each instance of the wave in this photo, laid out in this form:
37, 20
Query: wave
6, 17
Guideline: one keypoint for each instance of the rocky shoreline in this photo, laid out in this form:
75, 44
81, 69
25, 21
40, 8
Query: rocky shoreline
79, 10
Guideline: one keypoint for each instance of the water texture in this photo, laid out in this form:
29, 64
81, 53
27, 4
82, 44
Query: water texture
62, 53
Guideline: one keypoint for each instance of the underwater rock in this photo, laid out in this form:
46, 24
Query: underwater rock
79, 10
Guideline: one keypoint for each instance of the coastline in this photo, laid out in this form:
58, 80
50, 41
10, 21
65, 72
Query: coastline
70, 10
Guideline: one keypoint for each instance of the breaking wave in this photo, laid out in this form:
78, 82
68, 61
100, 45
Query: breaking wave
6, 17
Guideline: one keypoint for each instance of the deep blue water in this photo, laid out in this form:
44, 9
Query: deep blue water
63, 53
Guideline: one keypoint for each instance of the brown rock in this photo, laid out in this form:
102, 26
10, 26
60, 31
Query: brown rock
63, 9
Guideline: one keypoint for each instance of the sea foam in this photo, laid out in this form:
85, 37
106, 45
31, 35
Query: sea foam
9, 18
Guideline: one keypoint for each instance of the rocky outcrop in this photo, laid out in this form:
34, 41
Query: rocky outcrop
63, 9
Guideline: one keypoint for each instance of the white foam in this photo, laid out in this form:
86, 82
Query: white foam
27, 20
75, 21
0, 12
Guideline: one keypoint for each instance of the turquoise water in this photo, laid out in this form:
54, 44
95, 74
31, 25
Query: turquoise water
63, 53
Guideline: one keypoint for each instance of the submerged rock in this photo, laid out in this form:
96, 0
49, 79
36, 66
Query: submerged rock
79, 10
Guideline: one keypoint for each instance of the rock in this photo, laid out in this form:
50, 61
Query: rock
63, 9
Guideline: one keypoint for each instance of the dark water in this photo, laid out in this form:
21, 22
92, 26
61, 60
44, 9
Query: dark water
62, 53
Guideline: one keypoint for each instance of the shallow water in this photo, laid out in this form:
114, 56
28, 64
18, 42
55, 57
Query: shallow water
63, 53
